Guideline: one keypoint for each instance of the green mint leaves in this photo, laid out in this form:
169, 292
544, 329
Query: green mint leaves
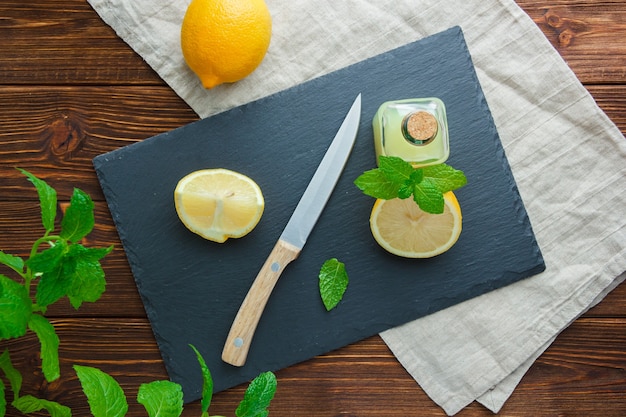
165, 398
58, 266
104, 394
207, 383
49, 346
396, 178
47, 199
161, 398
258, 396
333, 281
15, 308
28, 404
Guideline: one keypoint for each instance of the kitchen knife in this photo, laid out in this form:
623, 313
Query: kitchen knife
293, 238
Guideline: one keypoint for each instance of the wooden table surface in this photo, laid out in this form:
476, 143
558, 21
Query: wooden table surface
70, 89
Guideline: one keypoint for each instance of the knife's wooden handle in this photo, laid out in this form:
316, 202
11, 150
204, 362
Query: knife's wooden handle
243, 327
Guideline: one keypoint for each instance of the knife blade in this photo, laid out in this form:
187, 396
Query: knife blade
293, 238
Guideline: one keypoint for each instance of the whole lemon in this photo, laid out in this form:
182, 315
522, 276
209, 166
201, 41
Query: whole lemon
223, 41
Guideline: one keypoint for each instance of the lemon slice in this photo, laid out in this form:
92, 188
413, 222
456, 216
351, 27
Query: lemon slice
218, 204
402, 228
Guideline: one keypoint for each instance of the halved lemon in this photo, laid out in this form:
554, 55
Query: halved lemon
218, 204
402, 228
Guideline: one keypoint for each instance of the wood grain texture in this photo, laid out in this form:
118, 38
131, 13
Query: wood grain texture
364, 379
588, 34
70, 89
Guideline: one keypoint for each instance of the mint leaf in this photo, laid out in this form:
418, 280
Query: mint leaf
71, 270
88, 254
47, 200
48, 259
3, 400
55, 284
375, 184
14, 262
12, 374
78, 220
49, 346
86, 280
105, 396
29, 404
207, 381
428, 197
87, 283
444, 177
258, 396
333, 281
395, 169
15, 308
161, 398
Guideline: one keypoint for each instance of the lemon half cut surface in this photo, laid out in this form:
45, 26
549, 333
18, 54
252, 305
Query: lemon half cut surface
402, 228
218, 204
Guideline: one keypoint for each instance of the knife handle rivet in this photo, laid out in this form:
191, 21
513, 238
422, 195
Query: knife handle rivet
238, 342
275, 267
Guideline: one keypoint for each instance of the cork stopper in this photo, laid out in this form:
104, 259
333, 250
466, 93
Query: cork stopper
419, 127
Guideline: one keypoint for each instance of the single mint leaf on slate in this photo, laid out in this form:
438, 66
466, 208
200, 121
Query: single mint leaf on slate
161, 398
105, 396
428, 197
395, 169
49, 346
258, 396
15, 308
14, 262
47, 200
375, 184
207, 381
333, 281
444, 177
29, 404
12, 374
78, 220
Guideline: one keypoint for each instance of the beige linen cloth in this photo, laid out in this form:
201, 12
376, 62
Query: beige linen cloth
568, 159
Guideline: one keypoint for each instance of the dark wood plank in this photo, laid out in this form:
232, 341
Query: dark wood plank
588, 34
56, 132
571, 378
52, 42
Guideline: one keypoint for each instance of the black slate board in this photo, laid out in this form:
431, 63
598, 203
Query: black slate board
192, 288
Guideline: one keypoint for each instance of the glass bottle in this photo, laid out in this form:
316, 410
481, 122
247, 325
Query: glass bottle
415, 130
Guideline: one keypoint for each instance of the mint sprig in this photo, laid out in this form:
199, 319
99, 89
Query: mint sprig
57, 266
397, 178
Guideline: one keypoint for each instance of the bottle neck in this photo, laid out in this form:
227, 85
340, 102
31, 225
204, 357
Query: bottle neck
420, 127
